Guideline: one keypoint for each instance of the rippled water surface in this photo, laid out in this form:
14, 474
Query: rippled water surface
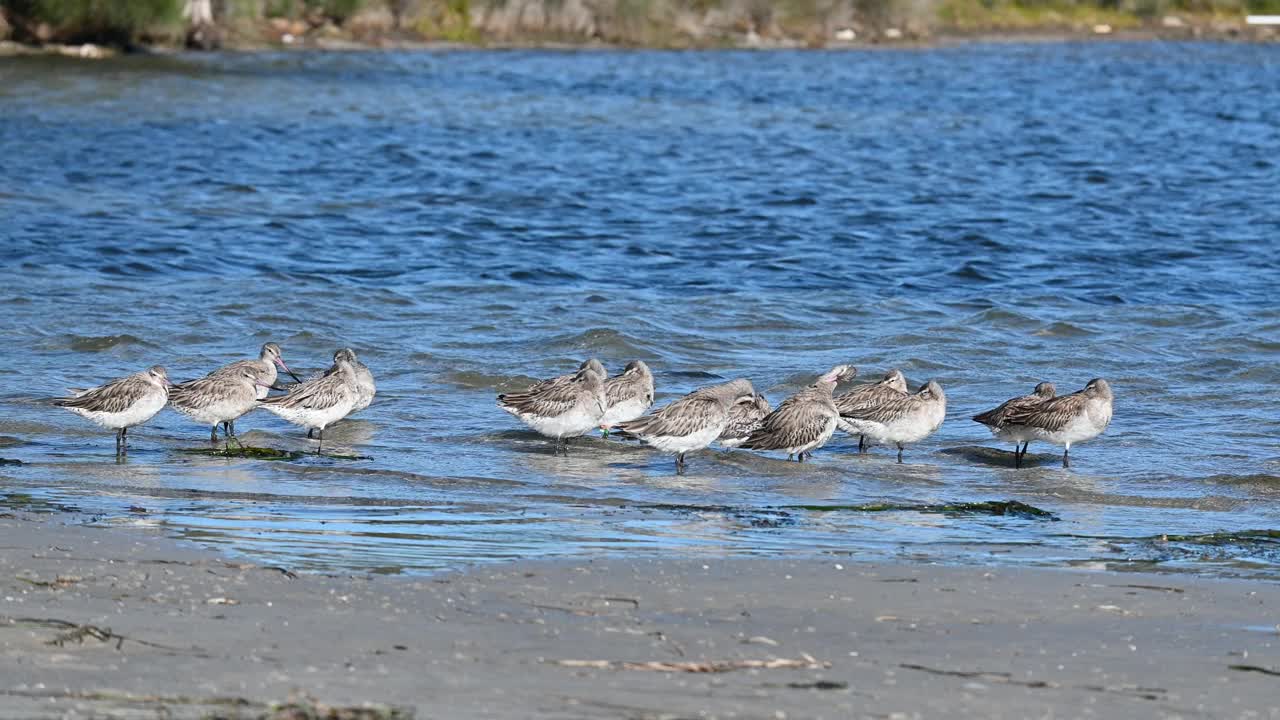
987, 216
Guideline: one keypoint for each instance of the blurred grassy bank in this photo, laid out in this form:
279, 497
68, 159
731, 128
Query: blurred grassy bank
648, 23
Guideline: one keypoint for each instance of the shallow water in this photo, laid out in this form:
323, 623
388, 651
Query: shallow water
988, 216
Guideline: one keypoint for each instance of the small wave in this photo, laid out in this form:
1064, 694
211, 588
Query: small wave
485, 381
1063, 329
98, 343
606, 343
1257, 479
1005, 318
544, 276
973, 271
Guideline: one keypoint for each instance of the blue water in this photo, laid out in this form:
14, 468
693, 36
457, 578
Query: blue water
987, 216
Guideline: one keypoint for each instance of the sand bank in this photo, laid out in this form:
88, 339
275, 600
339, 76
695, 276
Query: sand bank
110, 622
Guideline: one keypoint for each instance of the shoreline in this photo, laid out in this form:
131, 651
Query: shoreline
121, 622
948, 39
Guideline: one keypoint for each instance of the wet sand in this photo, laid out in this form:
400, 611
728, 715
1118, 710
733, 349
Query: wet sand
120, 622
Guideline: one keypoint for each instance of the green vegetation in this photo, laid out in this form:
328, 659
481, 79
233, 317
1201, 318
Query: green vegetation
261, 453
655, 23
972, 15
447, 20
116, 22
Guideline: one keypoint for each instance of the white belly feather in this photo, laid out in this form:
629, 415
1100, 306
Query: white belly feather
685, 443
136, 414
577, 421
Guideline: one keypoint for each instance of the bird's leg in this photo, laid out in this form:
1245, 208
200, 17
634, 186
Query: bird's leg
124, 440
213, 434
320, 440
679, 463
1017, 455
566, 447
899, 453
862, 444
800, 457
1066, 457
311, 433
790, 457
231, 427
119, 441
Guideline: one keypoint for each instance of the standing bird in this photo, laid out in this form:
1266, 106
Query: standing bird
265, 367
805, 421
363, 384
892, 385
1068, 419
691, 423
900, 420
628, 395
316, 404
745, 417
122, 403
997, 420
218, 398
562, 407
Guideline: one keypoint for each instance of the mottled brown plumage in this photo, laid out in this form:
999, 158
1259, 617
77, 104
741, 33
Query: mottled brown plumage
900, 419
218, 398
692, 422
316, 404
1068, 419
864, 397
628, 395
269, 358
561, 407
745, 417
1021, 436
122, 403
803, 422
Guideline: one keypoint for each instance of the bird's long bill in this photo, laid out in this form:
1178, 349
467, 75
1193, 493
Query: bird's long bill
286, 369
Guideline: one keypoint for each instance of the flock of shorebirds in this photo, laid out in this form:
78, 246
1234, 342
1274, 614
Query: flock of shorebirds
568, 406
224, 395
735, 415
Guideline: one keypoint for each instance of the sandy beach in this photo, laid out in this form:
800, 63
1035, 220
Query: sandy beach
122, 622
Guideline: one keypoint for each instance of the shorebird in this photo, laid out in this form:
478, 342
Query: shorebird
691, 423
562, 407
803, 422
264, 366
122, 403
997, 420
218, 398
363, 383
628, 395
1068, 419
316, 404
892, 385
900, 420
745, 417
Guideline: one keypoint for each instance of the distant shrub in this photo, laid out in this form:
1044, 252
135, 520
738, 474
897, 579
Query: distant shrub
105, 21
448, 20
337, 10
